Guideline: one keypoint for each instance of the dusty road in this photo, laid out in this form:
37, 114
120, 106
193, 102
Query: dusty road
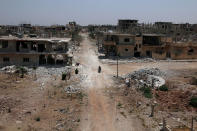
100, 114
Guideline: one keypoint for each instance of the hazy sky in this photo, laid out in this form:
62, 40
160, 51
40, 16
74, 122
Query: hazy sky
47, 12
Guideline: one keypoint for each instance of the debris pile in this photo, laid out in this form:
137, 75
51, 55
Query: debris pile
9, 69
14, 69
71, 90
146, 77
112, 60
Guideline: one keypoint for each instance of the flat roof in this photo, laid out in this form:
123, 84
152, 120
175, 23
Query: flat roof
52, 40
119, 34
153, 35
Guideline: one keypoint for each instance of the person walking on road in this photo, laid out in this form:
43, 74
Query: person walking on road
99, 69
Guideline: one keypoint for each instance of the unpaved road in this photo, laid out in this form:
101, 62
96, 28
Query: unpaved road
100, 114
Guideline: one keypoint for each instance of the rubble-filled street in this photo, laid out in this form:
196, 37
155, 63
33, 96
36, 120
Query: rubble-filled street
89, 65
146, 93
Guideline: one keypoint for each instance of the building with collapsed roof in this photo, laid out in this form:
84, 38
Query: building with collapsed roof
147, 45
34, 52
126, 25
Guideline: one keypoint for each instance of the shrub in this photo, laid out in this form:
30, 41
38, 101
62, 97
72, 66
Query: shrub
119, 105
163, 88
193, 81
63, 76
147, 92
193, 101
37, 119
78, 120
80, 95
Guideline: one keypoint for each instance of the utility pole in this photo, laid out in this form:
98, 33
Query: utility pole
117, 66
152, 110
192, 124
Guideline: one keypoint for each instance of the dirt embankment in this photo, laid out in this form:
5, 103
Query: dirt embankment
38, 104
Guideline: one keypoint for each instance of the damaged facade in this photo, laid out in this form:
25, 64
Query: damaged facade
34, 52
127, 25
147, 45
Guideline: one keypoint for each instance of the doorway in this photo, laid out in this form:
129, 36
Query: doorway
42, 60
149, 54
137, 54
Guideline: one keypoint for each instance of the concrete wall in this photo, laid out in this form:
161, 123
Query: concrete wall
157, 52
176, 52
18, 59
168, 49
183, 52
11, 47
131, 39
125, 50
138, 44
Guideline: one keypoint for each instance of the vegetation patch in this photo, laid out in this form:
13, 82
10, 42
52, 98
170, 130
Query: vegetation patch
163, 88
119, 105
193, 102
193, 81
147, 92
37, 118
63, 76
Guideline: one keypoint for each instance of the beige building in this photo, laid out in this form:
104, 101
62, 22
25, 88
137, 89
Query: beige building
121, 44
148, 45
33, 51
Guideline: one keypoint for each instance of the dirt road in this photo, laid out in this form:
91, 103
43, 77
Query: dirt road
100, 114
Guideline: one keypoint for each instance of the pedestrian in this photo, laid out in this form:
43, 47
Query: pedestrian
76, 71
99, 69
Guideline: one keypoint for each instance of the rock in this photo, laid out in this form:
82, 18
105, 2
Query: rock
160, 124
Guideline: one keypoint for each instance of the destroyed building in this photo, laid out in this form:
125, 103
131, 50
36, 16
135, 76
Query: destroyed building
147, 45
127, 25
34, 51
163, 27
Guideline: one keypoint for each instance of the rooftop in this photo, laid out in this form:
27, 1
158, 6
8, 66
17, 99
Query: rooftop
119, 34
52, 40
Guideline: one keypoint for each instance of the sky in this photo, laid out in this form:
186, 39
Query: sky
84, 12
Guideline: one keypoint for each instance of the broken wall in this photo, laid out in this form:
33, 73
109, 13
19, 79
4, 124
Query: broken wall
157, 52
125, 50
183, 52
19, 59
11, 47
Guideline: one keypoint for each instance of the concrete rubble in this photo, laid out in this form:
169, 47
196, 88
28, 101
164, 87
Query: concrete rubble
113, 60
146, 77
71, 90
11, 69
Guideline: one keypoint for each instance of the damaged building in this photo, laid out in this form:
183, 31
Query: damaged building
118, 44
127, 25
34, 52
147, 45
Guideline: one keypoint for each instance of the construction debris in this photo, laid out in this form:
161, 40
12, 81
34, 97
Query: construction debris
71, 90
146, 77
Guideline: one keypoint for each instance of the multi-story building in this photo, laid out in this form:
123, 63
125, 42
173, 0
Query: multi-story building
127, 25
119, 44
147, 45
34, 51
